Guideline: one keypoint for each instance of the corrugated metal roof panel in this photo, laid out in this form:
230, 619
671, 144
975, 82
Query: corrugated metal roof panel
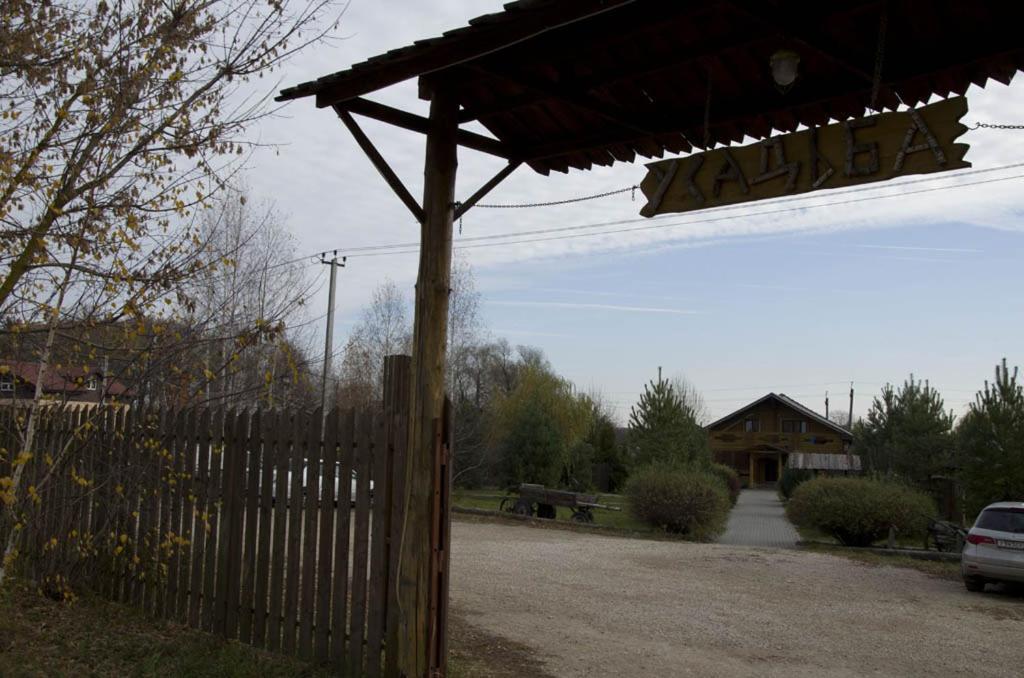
817, 461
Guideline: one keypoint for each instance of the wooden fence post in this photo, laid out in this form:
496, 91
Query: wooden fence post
385, 462
441, 521
397, 373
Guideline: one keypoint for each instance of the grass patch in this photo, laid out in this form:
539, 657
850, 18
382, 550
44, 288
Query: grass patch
937, 568
96, 638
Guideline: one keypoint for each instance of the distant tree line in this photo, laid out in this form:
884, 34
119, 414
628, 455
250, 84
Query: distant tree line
516, 420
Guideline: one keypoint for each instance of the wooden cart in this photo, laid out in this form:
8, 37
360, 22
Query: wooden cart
542, 502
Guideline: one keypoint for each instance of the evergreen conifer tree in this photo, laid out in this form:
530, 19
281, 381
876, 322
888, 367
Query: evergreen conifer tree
663, 429
907, 433
991, 438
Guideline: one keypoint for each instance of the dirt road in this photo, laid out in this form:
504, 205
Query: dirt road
589, 605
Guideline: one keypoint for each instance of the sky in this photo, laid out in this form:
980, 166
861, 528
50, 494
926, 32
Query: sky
801, 297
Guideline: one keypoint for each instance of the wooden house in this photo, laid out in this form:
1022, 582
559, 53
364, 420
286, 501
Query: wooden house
61, 384
759, 440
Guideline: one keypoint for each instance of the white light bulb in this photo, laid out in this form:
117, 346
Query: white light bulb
785, 64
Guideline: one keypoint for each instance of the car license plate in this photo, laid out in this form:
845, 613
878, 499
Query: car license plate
1006, 544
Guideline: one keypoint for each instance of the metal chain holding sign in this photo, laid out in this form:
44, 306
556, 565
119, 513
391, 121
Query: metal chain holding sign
992, 125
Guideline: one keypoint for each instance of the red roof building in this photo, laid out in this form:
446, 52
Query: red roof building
79, 383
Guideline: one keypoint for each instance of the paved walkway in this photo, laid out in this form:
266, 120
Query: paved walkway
759, 520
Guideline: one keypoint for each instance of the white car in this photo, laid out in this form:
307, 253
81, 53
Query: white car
320, 483
994, 551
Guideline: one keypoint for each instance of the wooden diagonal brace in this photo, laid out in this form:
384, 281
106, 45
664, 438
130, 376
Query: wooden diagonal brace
381, 164
465, 206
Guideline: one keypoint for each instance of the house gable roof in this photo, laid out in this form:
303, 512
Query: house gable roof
786, 401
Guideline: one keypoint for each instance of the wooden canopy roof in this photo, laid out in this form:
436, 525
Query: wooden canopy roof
576, 83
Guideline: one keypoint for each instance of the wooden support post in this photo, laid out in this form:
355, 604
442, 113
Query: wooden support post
427, 388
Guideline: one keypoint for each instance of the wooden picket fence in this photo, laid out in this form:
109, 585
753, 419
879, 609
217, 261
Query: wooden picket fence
278, 529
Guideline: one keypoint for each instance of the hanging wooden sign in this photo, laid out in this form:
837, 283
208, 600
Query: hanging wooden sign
859, 151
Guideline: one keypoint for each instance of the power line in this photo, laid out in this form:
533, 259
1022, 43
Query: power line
569, 232
553, 203
716, 210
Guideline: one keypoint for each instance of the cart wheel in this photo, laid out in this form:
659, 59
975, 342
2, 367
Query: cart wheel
546, 511
523, 508
583, 515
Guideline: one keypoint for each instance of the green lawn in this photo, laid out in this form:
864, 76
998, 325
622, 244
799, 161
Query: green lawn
622, 520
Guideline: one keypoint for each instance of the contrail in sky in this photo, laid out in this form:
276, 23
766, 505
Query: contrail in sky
596, 307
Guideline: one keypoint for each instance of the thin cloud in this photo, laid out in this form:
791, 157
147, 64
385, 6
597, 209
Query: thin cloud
530, 333
927, 260
601, 293
596, 307
960, 250
778, 288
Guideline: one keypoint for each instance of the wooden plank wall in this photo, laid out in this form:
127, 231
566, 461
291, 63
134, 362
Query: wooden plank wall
273, 528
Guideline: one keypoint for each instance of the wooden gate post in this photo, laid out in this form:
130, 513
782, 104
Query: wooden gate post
427, 387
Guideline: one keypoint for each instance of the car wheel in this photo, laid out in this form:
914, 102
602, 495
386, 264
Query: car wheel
974, 585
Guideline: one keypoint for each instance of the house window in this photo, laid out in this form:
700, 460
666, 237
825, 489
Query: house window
752, 425
90, 384
6, 382
794, 426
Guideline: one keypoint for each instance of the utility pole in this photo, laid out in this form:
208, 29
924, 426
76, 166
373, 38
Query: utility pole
849, 420
329, 343
826, 404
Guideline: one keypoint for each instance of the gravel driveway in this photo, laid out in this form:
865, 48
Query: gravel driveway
603, 606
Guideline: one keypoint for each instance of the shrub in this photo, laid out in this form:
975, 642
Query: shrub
859, 511
791, 479
680, 501
731, 480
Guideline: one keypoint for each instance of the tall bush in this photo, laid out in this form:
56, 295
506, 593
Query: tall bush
608, 452
679, 501
531, 450
729, 478
791, 479
860, 511
537, 429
